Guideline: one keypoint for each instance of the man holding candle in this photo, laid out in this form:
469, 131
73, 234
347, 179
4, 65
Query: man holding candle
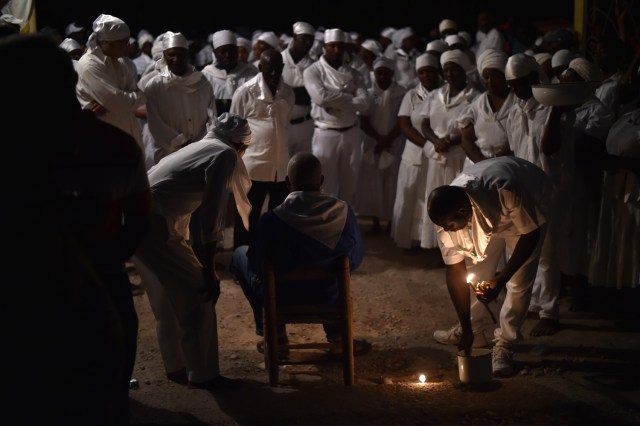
495, 203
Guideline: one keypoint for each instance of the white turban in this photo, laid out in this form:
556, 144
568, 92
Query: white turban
172, 39
303, 28
521, 65
233, 129
388, 32
144, 36
456, 56
447, 24
223, 38
69, 45
110, 28
158, 47
400, 35
491, 58
561, 57
454, 39
244, 42
543, 57
319, 36
270, 38
383, 61
334, 35
437, 45
72, 28
427, 60
372, 46
586, 69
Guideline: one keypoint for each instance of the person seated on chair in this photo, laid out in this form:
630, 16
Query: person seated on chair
309, 228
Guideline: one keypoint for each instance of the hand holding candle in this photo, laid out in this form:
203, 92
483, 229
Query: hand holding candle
485, 293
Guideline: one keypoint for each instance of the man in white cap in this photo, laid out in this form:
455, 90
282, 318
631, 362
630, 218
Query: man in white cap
337, 94
183, 291
369, 51
106, 83
386, 41
296, 59
226, 73
488, 35
144, 58
180, 102
244, 49
73, 48
382, 146
266, 102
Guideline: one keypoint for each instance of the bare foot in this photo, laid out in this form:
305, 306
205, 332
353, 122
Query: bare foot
545, 327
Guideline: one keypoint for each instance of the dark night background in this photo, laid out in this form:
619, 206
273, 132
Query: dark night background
197, 18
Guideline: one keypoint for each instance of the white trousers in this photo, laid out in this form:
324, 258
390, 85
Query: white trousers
186, 325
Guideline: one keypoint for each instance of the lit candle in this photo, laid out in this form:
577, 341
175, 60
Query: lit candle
470, 278
422, 378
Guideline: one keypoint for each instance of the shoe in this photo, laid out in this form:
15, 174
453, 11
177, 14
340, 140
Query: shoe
452, 337
179, 377
219, 382
502, 361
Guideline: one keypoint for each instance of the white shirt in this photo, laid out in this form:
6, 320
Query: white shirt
292, 74
336, 95
411, 107
179, 109
225, 84
509, 197
267, 155
110, 83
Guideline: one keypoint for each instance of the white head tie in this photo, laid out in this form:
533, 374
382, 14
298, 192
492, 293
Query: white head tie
303, 28
427, 60
172, 39
223, 38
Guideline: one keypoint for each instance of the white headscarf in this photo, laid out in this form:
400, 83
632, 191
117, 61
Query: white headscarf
388, 32
223, 38
158, 47
454, 39
400, 35
372, 46
334, 35
244, 42
586, 69
491, 58
447, 24
172, 39
303, 28
427, 60
521, 65
383, 61
561, 57
270, 38
108, 28
543, 57
144, 36
437, 45
456, 56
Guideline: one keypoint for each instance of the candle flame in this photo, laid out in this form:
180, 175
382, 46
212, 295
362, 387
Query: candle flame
470, 278
422, 378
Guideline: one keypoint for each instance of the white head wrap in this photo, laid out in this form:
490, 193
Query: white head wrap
388, 32
223, 38
334, 35
372, 46
303, 28
69, 45
72, 28
383, 61
244, 42
144, 36
491, 58
561, 57
400, 35
437, 45
456, 56
466, 36
270, 38
172, 39
158, 47
319, 36
427, 60
447, 24
454, 39
543, 57
586, 69
110, 28
521, 65
233, 129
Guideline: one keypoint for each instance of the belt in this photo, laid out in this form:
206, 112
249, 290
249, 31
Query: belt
300, 119
340, 129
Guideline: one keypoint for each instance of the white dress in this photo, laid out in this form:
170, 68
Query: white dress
615, 260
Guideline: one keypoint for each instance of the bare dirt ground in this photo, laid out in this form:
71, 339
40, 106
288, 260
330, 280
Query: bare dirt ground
586, 374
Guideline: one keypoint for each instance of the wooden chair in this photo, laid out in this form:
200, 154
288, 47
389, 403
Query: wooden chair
340, 314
